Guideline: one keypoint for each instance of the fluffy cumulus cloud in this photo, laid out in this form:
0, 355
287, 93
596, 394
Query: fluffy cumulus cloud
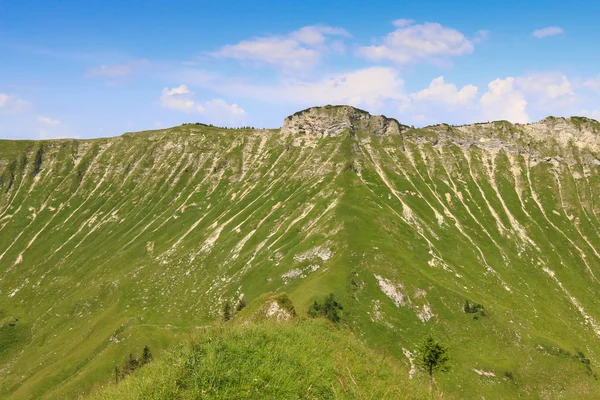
427, 42
547, 87
549, 31
12, 104
516, 99
513, 98
445, 93
504, 101
301, 49
181, 98
440, 101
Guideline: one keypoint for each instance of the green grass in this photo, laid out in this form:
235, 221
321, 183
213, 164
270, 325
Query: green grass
306, 359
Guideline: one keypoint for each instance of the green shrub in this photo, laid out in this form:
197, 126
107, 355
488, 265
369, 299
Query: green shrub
227, 311
284, 302
329, 309
474, 308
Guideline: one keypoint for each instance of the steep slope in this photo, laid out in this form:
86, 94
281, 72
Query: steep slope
110, 244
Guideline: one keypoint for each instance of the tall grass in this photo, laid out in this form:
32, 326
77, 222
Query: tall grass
307, 359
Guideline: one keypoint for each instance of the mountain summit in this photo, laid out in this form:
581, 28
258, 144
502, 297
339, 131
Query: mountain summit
487, 235
330, 120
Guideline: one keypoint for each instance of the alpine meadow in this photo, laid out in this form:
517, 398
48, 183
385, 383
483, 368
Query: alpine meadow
484, 237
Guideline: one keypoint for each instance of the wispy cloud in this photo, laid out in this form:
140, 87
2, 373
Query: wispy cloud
115, 70
48, 121
12, 104
371, 87
593, 84
427, 42
549, 31
300, 49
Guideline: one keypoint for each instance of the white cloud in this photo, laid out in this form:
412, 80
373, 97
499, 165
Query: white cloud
301, 49
503, 101
546, 87
514, 99
223, 110
439, 102
593, 84
48, 121
181, 98
428, 42
115, 70
446, 93
12, 104
316, 35
381, 89
370, 87
549, 31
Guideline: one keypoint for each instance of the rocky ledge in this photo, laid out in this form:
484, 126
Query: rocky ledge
335, 120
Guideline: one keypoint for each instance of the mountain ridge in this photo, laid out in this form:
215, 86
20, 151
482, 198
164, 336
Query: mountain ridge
110, 244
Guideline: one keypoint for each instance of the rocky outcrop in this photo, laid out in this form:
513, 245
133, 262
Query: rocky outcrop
331, 121
554, 140
569, 140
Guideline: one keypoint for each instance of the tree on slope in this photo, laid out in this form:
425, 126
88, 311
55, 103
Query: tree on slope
146, 355
432, 357
227, 311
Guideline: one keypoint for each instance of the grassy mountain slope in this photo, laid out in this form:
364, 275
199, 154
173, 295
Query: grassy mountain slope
110, 244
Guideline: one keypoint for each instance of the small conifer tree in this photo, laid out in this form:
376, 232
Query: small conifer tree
146, 355
432, 357
130, 365
227, 311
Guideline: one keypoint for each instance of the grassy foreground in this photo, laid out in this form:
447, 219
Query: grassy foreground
305, 359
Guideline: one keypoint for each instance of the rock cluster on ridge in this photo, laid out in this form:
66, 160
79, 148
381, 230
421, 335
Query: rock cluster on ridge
334, 120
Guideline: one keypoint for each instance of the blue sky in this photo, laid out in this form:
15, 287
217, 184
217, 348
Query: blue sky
90, 68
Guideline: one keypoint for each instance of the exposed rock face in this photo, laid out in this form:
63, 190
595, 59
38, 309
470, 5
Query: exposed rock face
553, 140
335, 120
569, 140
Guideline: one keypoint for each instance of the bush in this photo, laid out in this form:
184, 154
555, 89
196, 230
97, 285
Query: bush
146, 356
474, 308
329, 309
227, 311
284, 302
